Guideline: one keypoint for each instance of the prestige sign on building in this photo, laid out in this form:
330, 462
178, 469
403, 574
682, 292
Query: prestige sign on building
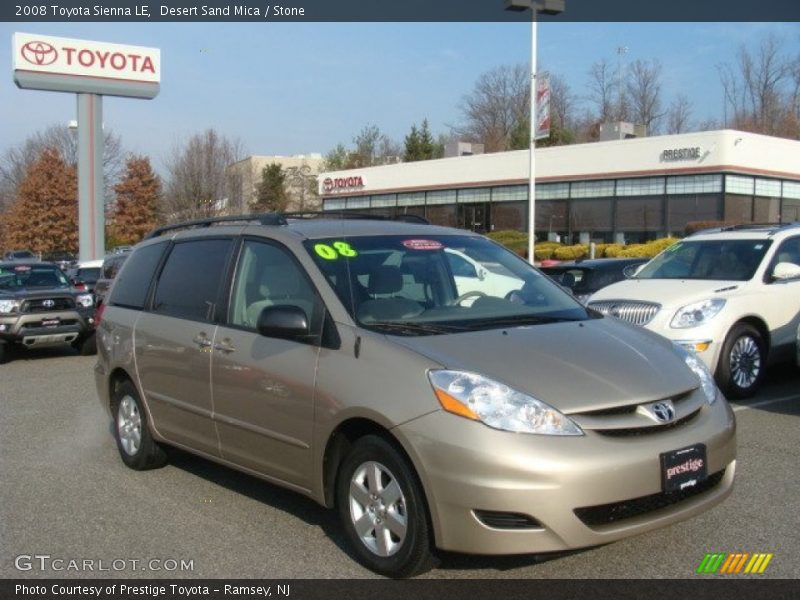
58, 64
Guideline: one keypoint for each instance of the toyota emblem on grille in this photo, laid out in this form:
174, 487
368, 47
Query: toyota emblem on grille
49, 303
663, 411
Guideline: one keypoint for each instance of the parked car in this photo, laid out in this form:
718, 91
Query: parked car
109, 270
340, 359
39, 307
20, 256
731, 295
85, 275
64, 260
585, 277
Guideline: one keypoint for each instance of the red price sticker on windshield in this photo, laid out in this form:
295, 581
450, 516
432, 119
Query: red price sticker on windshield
422, 244
22, 268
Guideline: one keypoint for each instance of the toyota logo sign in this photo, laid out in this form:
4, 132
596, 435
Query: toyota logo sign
331, 184
49, 303
39, 53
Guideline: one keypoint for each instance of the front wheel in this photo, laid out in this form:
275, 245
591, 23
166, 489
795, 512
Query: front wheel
87, 346
742, 363
382, 509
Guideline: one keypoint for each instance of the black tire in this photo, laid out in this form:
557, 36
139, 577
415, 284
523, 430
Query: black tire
86, 346
410, 554
147, 454
742, 363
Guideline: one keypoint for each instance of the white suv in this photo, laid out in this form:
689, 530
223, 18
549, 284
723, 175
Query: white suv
732, 295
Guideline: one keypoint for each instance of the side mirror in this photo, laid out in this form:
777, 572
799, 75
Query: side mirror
785, 270
481, 274
283, 321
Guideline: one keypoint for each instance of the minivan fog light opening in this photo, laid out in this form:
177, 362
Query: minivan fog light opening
495, 404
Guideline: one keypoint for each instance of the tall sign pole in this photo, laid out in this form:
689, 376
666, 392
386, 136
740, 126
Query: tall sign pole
91, 70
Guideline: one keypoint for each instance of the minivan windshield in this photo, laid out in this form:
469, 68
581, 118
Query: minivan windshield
425, 285
731, 260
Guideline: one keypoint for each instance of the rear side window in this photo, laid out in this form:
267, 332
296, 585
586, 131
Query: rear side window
131, 287
189, 284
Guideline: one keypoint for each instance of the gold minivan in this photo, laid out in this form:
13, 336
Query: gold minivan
428, 384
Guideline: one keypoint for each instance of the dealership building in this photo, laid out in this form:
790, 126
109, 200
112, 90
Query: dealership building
625, 190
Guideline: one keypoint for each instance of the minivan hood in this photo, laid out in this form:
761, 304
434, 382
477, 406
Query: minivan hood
573, 366
667, 292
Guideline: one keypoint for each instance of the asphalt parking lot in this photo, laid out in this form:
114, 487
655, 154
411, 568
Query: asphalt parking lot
66, 494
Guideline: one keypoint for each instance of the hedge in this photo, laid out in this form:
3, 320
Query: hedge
517, 241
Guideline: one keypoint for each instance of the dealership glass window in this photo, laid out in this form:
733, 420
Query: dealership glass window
639, 214
590, 215
649, 186
791, 189
387, 211
411, 199
358, 202
694, 184
551, 215
510, 215
790, 211
383, 200
334, 204
735, 184
474, 195
510, 193
769, 188
738, 209
411, 210
441, 197
766, 210
442, 214
683, 209
551, 191
592, 189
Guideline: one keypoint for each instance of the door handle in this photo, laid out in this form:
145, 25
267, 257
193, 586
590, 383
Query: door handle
224, 346
202, 340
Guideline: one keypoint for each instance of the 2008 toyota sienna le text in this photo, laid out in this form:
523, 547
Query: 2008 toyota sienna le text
368, 365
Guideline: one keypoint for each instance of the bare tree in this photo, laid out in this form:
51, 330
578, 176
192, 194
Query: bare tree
199, 183
562, 102
761, 90
643, 91
498, 102
679, 114
16, 161
602, 88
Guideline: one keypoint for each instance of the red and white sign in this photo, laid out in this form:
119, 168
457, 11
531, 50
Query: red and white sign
423, 244
542, 106
333, 185
83, 58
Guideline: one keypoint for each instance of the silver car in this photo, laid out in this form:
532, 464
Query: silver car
343, 359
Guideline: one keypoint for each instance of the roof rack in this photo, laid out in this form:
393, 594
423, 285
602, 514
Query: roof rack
262, 218
343, 214
772, 227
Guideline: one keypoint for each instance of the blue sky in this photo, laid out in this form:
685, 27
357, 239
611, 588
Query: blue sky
298, 88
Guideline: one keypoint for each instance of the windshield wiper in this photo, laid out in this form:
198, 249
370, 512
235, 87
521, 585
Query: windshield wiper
521, 320
414, 327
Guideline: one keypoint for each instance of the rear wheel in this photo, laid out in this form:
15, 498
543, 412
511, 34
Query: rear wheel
742, 363
382, 509
136, 445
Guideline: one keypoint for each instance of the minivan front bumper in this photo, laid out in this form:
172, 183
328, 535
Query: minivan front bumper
613, 483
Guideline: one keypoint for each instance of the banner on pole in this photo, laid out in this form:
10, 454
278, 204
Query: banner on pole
542, 106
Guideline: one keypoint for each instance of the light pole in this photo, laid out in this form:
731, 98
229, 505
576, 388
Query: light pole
547, 7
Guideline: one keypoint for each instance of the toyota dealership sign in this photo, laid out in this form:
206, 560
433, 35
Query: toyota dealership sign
61, 64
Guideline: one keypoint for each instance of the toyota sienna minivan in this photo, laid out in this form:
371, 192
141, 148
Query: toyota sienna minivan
344, 359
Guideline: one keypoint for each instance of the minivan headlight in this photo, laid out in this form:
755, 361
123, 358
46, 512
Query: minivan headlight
700, 369
85, 300
495, 404
697, 313
9, 306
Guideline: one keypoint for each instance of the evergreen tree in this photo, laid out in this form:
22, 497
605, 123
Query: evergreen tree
44, 216
427, 147
138, 195
271, 193
413, 150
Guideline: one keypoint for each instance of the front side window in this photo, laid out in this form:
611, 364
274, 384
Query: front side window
417, 285
266, 276
732, 260
189, 285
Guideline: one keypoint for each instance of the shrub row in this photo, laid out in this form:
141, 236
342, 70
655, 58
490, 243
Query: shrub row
517, 241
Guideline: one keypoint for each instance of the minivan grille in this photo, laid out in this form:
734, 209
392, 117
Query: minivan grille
618, 511
638, 313
47, 305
